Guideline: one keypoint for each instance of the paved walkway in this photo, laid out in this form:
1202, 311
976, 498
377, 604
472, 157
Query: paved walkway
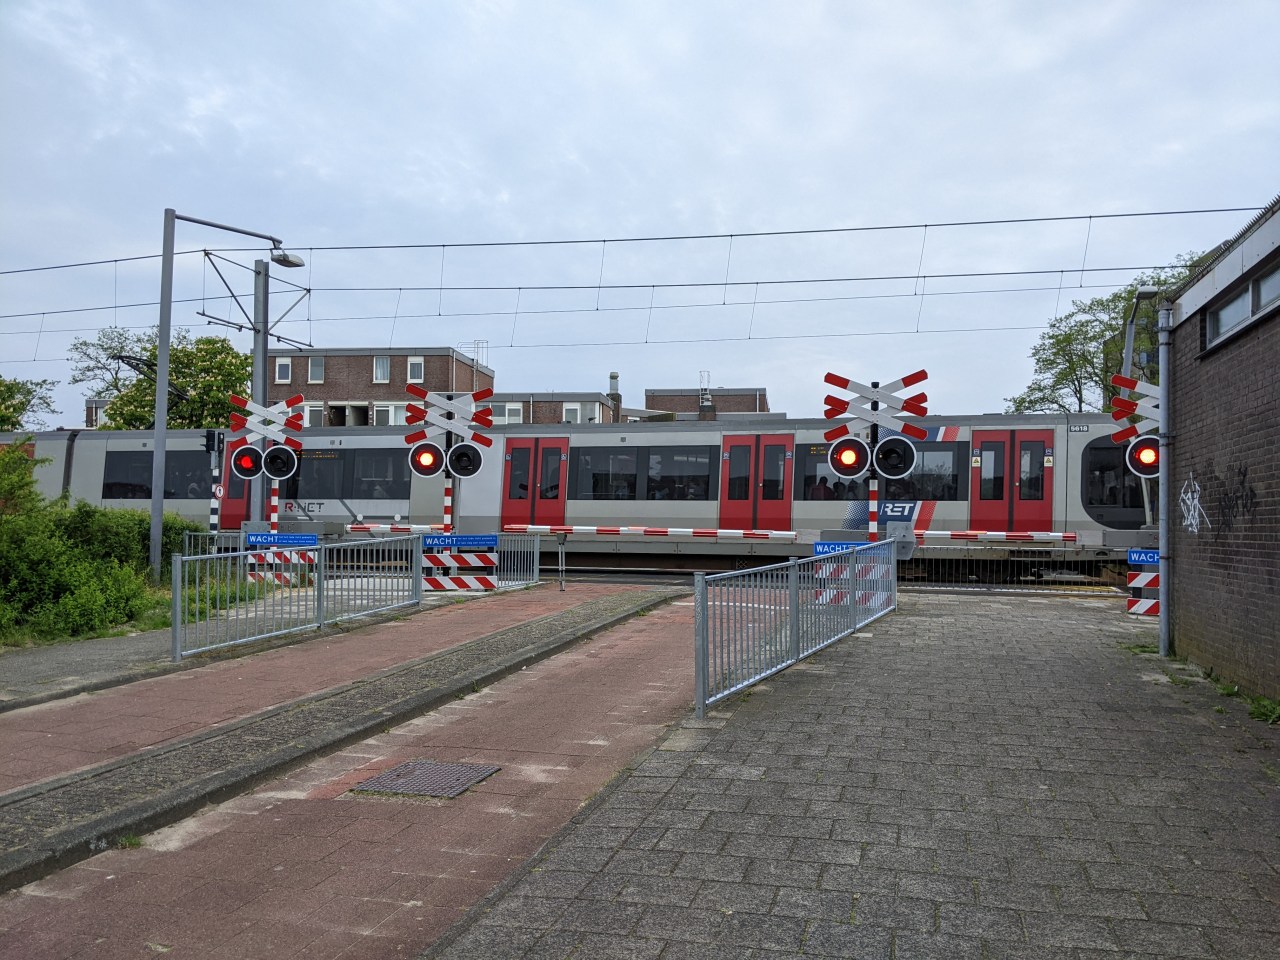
974, 777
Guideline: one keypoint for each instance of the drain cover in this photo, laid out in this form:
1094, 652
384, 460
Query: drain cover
427, 778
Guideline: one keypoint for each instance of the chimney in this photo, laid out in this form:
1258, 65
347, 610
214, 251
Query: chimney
615, 396
706, 408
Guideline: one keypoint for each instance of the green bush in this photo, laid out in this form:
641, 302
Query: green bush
124, 535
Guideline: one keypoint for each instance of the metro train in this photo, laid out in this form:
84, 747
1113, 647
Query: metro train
1045, 473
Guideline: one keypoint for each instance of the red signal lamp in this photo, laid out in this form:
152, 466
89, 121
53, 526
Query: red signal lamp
426, 459
246, 462
1143, 457
849, 458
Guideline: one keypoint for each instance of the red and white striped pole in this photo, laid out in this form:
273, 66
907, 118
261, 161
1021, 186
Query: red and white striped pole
873, 508
448, 505
273, 511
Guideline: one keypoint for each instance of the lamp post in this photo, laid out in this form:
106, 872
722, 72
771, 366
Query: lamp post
278, 255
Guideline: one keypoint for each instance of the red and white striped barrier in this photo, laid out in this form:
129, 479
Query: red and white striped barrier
788, 535
1144, 581
1149, 608
922, 535
394, 527
273, 558
464, 560
460, 583
867, 576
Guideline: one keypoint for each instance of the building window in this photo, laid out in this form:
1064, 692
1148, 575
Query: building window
284, 369
417, 370
508, 413
1266, 290
388, 414
315, 369
572, 413
381, 369
1229, 316
314, 413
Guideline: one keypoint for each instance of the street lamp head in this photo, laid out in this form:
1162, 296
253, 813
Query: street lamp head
285, 259
1147, 292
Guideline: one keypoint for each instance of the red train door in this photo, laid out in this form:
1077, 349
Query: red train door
1011, 482
534, 480
233, 508
755, 482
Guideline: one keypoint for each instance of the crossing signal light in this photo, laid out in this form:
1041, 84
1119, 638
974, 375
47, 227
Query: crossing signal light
895, 457
1143, 457
849, 458
465, 460
280, 463
426, 459
246, 462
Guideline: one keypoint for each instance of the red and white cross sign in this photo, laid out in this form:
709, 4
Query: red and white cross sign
1122, 408
466, 418
270, 422
884, 395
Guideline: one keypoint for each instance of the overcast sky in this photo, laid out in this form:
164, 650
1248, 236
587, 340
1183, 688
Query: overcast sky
434, 124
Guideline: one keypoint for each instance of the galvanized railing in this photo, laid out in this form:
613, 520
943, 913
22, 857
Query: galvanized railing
224, 599
196, 543
518, 563
750, 624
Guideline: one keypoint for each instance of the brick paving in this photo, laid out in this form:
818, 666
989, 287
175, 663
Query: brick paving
973, 778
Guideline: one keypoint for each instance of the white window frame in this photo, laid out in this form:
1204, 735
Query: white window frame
381, 408
314, 414
575, 409
422, 369
311, 369
386, 361
284, 364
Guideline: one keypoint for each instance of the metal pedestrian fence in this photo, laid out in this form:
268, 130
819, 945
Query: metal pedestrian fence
751, 624
225, 599
518, 563
197, 543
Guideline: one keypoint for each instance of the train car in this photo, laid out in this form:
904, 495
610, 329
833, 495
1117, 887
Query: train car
1011, 474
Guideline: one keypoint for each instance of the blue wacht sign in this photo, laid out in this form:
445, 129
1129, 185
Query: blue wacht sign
473, 541
281, 540
824, 547
1139, 557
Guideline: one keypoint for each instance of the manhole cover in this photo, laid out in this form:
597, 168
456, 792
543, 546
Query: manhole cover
427, 778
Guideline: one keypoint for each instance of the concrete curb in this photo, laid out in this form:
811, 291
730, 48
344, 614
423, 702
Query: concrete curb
64, 846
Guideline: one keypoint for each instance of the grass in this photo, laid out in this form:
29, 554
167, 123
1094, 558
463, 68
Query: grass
155, 617
1141, 647
129, 841
1264, 709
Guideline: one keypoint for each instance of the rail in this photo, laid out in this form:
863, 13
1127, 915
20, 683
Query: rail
751, 624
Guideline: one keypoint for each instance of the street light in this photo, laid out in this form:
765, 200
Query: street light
278, 255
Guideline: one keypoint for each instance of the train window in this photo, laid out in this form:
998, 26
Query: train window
604, 473
1107, 481
773, 481
127, 475
680, 473
937, 475
319, 476
812, 467
1031, 470
549, 475
379, 474
991, 458
518, 474
740, 473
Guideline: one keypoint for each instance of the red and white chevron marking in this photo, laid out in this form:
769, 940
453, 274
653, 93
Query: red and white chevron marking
273, 510
466, 560
827, 598
271, 576
873, 509
1149, 608
394, 527
448, 505
789, 535
282, 556
459, 583
922, 535
1139, 581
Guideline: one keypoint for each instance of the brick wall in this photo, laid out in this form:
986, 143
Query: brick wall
1226, 575
350, 378
724, 402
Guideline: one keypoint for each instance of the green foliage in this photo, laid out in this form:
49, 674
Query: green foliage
1076, 357
93, 361
207, 369
1264, 709
18, 493
22, 402
75, 571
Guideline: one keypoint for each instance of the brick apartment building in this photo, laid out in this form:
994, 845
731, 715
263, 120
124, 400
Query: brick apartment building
359, 386
723, 400
1225, 461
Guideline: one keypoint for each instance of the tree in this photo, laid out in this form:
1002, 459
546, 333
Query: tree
1077, 355
207, 369
93, 363
22, 402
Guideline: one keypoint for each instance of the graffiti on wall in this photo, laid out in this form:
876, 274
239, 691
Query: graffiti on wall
1232, 501
1237, 503
1192, 510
